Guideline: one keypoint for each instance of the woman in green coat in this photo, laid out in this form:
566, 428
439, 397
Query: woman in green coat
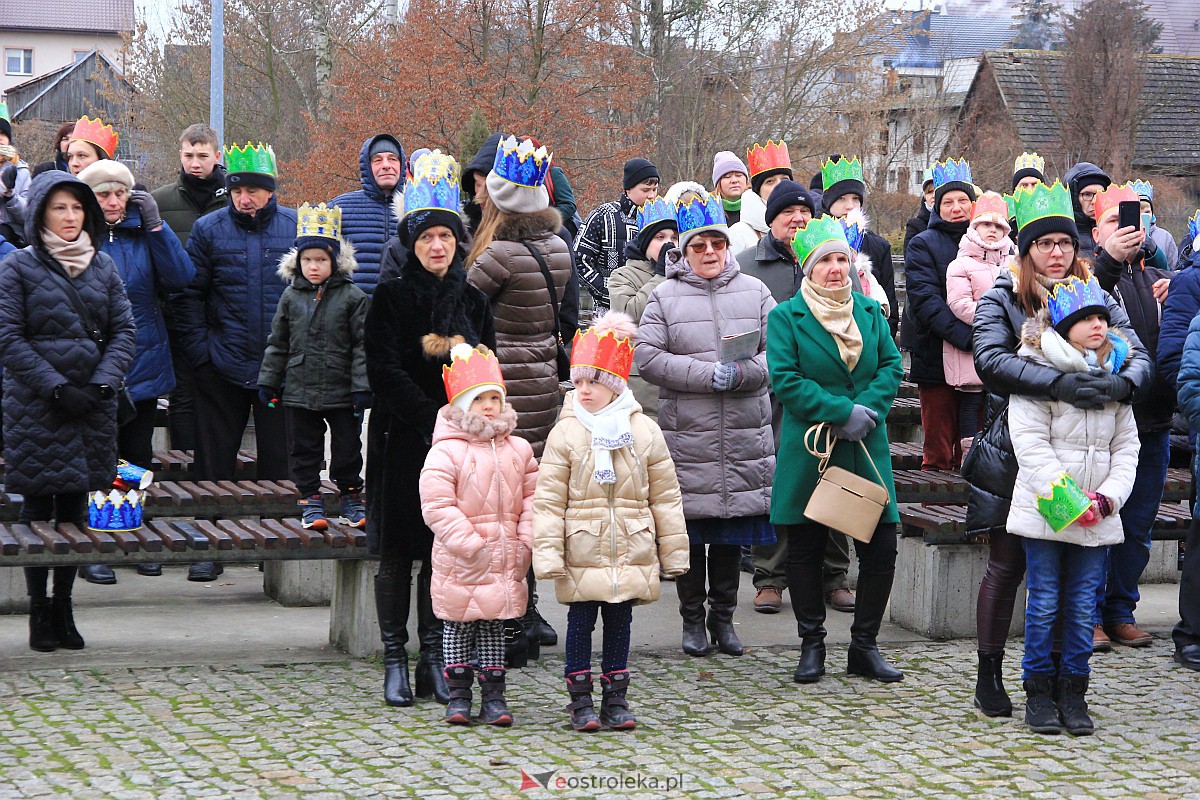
832, 359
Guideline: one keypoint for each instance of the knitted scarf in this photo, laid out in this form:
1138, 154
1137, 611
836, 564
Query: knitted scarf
610, 431
74, 256
732, 205
834, 309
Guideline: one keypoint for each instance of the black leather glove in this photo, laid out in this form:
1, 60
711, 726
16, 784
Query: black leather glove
8, 178
362, 401
268, 396
660, 263
71, 401
1117, 389
151, 218
1081, 389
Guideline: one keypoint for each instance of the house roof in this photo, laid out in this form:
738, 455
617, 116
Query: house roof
24, 96
1181, 25
95, 16
934, 38
1030, 87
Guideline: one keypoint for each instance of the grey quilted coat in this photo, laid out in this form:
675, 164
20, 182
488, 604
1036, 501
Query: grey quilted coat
43, 344
721, 441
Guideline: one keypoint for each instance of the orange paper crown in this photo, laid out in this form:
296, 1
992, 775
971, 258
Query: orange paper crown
773, 156
96, 132
1106, 201
478, 368
990, 206
606, 353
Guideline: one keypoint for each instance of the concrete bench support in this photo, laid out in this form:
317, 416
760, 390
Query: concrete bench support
13, 599
353, 623
1164, 562
299, 583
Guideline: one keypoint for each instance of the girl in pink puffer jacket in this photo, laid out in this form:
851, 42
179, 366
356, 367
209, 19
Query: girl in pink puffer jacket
982, 252
477, 490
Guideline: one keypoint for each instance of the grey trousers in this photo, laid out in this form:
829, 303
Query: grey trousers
770, 561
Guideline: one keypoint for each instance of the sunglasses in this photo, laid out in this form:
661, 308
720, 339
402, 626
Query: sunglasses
717, 245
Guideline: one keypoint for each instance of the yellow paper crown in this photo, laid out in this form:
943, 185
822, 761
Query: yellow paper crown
319, 220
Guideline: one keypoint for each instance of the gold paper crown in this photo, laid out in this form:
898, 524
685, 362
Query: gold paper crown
318, 220
1030, 161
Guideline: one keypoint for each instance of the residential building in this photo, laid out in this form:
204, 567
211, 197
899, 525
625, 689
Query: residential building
40, 36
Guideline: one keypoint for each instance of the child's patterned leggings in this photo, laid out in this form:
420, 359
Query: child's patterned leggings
581, 621
482, 637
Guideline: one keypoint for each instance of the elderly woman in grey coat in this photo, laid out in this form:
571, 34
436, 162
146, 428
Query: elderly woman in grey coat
714, 410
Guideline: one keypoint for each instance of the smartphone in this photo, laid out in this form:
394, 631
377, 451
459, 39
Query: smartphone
1129, 214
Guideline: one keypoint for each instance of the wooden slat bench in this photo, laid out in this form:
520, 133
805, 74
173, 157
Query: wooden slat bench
949, 487
174, 464
945, 523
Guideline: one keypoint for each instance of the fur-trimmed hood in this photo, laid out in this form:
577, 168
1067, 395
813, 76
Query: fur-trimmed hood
1041, 343
454, 423
289, 265
530, 226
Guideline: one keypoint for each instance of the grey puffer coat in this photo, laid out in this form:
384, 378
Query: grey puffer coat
721, 442
44, 344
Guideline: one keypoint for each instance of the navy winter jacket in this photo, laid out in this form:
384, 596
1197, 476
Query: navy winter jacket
224, 316
1189, 375
1183, 302
368, 220
929, 254
151, 263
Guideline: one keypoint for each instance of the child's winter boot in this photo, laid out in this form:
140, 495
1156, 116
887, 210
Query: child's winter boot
614, 709
459, 678
493, 709
1072, 705
354, 509
312, 512
583, 711
1040, 713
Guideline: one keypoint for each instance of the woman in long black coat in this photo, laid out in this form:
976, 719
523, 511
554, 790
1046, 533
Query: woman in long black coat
61, 377
413, 322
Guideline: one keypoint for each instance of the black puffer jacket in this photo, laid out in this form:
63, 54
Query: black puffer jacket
879, 250
991, 467
44, 344
925, 262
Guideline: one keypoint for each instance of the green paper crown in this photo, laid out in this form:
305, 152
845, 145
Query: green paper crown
816, 233
1043, 201
1011, 202
840, 170
4, 112
1066, 504
258, 158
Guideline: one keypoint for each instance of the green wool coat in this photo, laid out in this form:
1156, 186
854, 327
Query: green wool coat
813, 385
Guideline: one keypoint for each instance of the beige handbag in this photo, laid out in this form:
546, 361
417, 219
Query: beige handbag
842, 500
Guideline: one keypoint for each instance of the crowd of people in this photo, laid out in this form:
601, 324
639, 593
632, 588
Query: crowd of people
738, 367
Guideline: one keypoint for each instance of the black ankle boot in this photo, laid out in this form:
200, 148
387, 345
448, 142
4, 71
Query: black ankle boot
812, 660
392, 606
65, 632
1072, 705
459, 678
1041, 715
493, 709
431, 669
864, 657
724, 574
431, 677
540, 632
690, 588
990, 697
41, 625
582, 708
516, 644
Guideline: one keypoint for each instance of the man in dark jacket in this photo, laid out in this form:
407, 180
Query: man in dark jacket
1085, 180
368, 219
843, 191
199, 190
225, 317
926, 260
772, 261
920, 221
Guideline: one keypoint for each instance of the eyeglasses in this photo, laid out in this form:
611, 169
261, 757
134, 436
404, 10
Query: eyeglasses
717, 245
1064, 245
1088, 195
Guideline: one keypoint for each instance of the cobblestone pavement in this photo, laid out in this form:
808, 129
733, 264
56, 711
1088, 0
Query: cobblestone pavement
721, 726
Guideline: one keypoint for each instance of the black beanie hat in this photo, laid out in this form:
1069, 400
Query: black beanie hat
952, 186
1037, 228
259, 179
1026, 172
6, 129
756, 181
636, 171
786, 194
413, 224
650, 231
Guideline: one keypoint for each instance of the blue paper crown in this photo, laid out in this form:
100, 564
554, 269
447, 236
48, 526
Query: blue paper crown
951, 171
1143, 189
522, 164
1194, 226
699, 212
653, 212
1074, 295
115, 511
855, 224
433, 184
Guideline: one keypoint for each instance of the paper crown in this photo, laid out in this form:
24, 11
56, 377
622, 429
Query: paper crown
318, 220
521, 163
1066, 503
952, 171
1010, 203
1041, 201
1194, 228
774, 155
818, 231
704, 211
1143, 189
115, 511
1029, 161
433, 184
1107, 200
855, 224
840, 170
1074, 295
4, 112
96, 132
927, 176
258, 158
478, 367
654, 211
990, 205
603, 352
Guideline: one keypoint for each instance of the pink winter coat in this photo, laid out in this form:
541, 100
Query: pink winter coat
477, 497
967, 278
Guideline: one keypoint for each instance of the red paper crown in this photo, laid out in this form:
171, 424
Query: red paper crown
1107, 200
990, 203
606, 353
97, 133
479, 368
773, 156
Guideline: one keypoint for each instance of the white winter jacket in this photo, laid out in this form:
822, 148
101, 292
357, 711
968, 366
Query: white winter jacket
1098, 448
753, 224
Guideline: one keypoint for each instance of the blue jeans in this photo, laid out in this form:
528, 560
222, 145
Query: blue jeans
1118, 596
1071, 573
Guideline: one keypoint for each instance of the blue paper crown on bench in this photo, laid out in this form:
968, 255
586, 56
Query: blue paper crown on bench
115, 511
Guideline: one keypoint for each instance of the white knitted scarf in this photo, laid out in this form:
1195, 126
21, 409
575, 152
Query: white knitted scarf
610, 431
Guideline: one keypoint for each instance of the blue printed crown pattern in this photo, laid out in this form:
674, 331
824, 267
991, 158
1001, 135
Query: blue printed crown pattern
1144, 189
1074, 295
1194, 227
653, 212
951, 171
115, 511
519, 163
699, 212
434, 184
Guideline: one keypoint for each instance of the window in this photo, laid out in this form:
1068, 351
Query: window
79, 55
18, 61
918, 139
